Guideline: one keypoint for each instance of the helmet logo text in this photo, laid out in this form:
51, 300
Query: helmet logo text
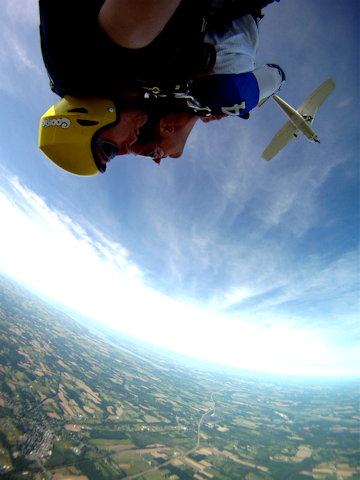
56, 122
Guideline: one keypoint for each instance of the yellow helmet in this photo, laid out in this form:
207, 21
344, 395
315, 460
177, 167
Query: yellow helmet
68, 130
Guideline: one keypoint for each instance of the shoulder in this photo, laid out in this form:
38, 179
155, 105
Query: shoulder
230, 94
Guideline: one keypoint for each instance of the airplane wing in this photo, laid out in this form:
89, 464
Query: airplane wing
282, 138
316, 98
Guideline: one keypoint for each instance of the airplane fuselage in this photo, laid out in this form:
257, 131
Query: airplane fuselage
299, 122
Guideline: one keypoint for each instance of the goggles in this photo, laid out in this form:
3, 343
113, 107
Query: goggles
108, 150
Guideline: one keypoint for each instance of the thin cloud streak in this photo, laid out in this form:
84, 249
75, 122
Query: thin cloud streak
256, 202
25, 14
18, 24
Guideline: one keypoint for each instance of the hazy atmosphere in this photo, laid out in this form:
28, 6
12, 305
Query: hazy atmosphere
217, 254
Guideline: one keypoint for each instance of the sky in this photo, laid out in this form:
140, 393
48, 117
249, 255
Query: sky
218, 254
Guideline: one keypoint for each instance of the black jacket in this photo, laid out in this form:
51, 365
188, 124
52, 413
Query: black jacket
80, 60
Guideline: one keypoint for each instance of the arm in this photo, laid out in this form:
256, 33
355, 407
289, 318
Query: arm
135, 23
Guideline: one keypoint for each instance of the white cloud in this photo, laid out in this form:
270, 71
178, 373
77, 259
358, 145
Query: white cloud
79, 267
262, 267
220, 229
344, 103
57, 256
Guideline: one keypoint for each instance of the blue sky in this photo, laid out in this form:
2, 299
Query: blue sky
218, 254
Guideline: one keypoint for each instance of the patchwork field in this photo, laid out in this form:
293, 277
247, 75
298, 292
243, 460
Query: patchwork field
78, 405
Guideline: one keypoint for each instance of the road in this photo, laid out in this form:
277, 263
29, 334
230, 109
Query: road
183, 455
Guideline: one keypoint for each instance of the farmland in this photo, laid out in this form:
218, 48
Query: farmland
78, 405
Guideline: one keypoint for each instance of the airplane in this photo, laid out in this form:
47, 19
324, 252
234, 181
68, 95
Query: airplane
299, 120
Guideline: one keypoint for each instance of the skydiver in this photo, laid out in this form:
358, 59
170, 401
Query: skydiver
98, 52
236, 84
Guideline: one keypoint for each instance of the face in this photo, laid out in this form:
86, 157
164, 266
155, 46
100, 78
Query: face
160, 147
125, 133
169, 139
